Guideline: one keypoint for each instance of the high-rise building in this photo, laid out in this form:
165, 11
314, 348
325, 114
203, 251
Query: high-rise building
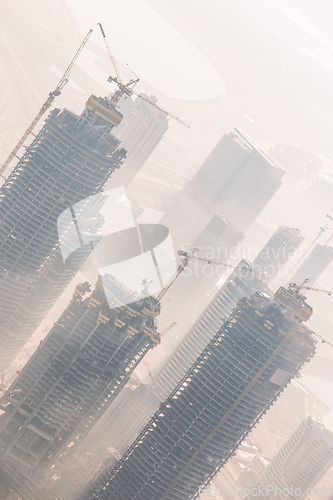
105, 444
70, 159
300, 463
242, 282
234, 381
134, 407
217, 242
75, 374
236, 181
140, 132
277, 251
314, 265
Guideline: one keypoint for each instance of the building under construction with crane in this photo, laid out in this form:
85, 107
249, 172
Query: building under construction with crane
70, 159
73, 377
230, 386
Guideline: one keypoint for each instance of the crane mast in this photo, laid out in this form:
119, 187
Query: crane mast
47, 104
302, 286
110, 54
128, 87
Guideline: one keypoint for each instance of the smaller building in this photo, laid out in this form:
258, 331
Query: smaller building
236, 181
300, 463
219, 239
277, 251
140, 132
314, 265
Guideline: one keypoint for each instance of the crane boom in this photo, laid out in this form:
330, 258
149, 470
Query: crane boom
110, 54
187, 257
128, 88
329, 292
209, 261
64, 78
302, 286
321, 231
45, 107
159, 108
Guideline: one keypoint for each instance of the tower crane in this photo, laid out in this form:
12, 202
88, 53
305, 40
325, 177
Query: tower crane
114, 64
293, 286
127, 89
295, 289
331, 236
209, 261
186, 258
52, 95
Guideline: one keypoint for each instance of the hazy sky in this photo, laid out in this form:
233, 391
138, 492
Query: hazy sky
302, 21
155, 50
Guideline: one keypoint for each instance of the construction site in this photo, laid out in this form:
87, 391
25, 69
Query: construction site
231, 385
157, 396
71, 380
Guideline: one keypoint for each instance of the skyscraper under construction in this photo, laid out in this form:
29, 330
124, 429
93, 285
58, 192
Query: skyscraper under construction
242, 282
133, 408
235, 380
70, 159
72, 378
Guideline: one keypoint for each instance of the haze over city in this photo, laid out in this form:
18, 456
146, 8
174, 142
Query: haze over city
151, 346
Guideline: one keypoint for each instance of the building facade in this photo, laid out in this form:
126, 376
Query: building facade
236, 181
105, 444
234, 381
75, 374
277, 251
134, 407
70, 159
140, 132
300, 463
218, 240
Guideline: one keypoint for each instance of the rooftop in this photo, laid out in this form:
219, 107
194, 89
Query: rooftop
261, 151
